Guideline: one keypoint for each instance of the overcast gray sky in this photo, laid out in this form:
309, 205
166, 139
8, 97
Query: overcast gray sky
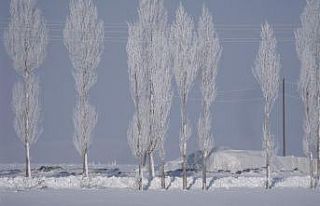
238, 112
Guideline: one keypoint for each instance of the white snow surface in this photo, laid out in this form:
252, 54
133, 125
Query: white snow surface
228, 169
235, 197
236, 160
234, 178
240, 160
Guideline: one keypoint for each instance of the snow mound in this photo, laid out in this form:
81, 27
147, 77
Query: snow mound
237, 161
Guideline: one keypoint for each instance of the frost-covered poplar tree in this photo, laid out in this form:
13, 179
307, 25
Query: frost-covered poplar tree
266, 70
162, 80
153, 25
83, 37
139, 126
307, 89
150, 81
209, 52
308, 49
26, 41
183, 51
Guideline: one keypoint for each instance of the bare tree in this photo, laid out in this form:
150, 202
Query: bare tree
26, 42
153, 25
266, 71
209, 51
162, 81
138, 128
307, 90
150, 82
83, 37
137, 132
308, 49
183, 50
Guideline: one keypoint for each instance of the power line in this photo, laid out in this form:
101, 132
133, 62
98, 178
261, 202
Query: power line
223, 42
261, 99
117, 32
288, 27
292, 96
239, 90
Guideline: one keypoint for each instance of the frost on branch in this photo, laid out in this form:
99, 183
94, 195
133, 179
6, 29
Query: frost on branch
267, 71
27, 110
308, 47
26, 40
183, 51
150, 79
84, 39
208, 56
84, 120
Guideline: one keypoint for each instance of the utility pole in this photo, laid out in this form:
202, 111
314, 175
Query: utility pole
283, 117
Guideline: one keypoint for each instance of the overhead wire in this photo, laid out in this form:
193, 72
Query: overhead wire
119, 32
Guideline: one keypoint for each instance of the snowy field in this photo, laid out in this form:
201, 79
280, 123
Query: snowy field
234, 178
69, 177
226, 169
242, 197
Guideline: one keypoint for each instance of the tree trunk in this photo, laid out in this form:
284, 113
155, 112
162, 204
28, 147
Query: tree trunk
27, 126
28, 165
318, 155
268, 172
184, 142
311, 170
318, 110
140, 177
184, 171
267, 148
163, 176
151, 166
85, 165
204, 171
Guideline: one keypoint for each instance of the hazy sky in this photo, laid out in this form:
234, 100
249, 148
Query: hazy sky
237, 114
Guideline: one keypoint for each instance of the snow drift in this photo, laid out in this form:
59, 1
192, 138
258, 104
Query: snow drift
242, 160
227, 169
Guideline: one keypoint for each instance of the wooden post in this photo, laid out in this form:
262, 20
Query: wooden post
283, 117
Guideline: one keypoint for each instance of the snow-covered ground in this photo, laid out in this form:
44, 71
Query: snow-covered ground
174, 183
235, 197
227, 169
234, 178
61, 179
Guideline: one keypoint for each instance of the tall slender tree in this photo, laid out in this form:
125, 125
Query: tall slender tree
266, 71
209, 52
162, 80
153, 24
138, 130
150, 81
83, 37
307, 90
26, 42
308, 49
183, 51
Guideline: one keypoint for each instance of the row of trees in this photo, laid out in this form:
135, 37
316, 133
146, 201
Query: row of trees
26, 41
196, 51
308, 49
157, 53
186, 51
